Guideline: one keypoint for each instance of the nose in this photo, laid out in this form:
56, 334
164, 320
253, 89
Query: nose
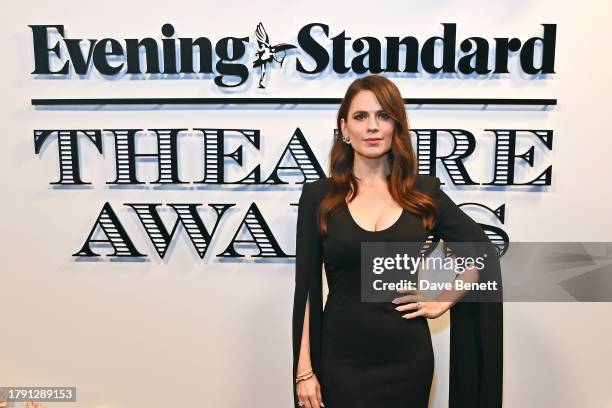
373, 124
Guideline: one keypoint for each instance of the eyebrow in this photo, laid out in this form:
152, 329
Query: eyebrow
362, 111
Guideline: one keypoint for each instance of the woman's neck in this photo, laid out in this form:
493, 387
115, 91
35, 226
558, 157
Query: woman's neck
371, 171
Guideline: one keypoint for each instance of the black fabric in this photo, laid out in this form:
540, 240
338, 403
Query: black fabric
365, 354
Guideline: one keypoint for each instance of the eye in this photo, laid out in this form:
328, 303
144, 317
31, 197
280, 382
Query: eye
359, 116
384, 116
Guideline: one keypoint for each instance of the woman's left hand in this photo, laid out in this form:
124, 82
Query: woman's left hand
414, 302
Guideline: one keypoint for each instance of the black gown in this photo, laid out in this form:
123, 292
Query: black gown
365, 354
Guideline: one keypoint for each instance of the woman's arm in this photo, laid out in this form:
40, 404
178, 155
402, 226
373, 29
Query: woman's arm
304, 364
308, 298
466, 239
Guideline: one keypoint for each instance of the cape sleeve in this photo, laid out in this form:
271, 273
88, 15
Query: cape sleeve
476, 332
308, 279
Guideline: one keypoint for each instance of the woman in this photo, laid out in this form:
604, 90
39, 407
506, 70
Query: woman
360, 354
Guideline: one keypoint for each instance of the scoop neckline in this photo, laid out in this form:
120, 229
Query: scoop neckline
348, 211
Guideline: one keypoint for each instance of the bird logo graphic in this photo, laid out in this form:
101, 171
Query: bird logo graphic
267, 53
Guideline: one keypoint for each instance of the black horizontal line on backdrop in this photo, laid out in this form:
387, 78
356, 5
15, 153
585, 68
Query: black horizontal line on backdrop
277, 101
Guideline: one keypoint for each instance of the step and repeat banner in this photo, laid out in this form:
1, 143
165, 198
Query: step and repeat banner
153, 156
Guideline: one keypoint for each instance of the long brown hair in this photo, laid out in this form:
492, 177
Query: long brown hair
402, 160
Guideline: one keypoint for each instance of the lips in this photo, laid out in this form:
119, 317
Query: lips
372, 139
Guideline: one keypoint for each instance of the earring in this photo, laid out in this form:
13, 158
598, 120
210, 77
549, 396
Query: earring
346, 139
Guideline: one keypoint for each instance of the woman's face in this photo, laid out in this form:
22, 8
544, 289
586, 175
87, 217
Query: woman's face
368, 127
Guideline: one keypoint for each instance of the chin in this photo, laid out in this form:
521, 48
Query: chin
373, 154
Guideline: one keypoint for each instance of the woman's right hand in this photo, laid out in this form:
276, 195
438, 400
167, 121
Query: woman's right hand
309, 392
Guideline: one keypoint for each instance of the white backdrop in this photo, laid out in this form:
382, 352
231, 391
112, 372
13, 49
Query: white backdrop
182, 331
